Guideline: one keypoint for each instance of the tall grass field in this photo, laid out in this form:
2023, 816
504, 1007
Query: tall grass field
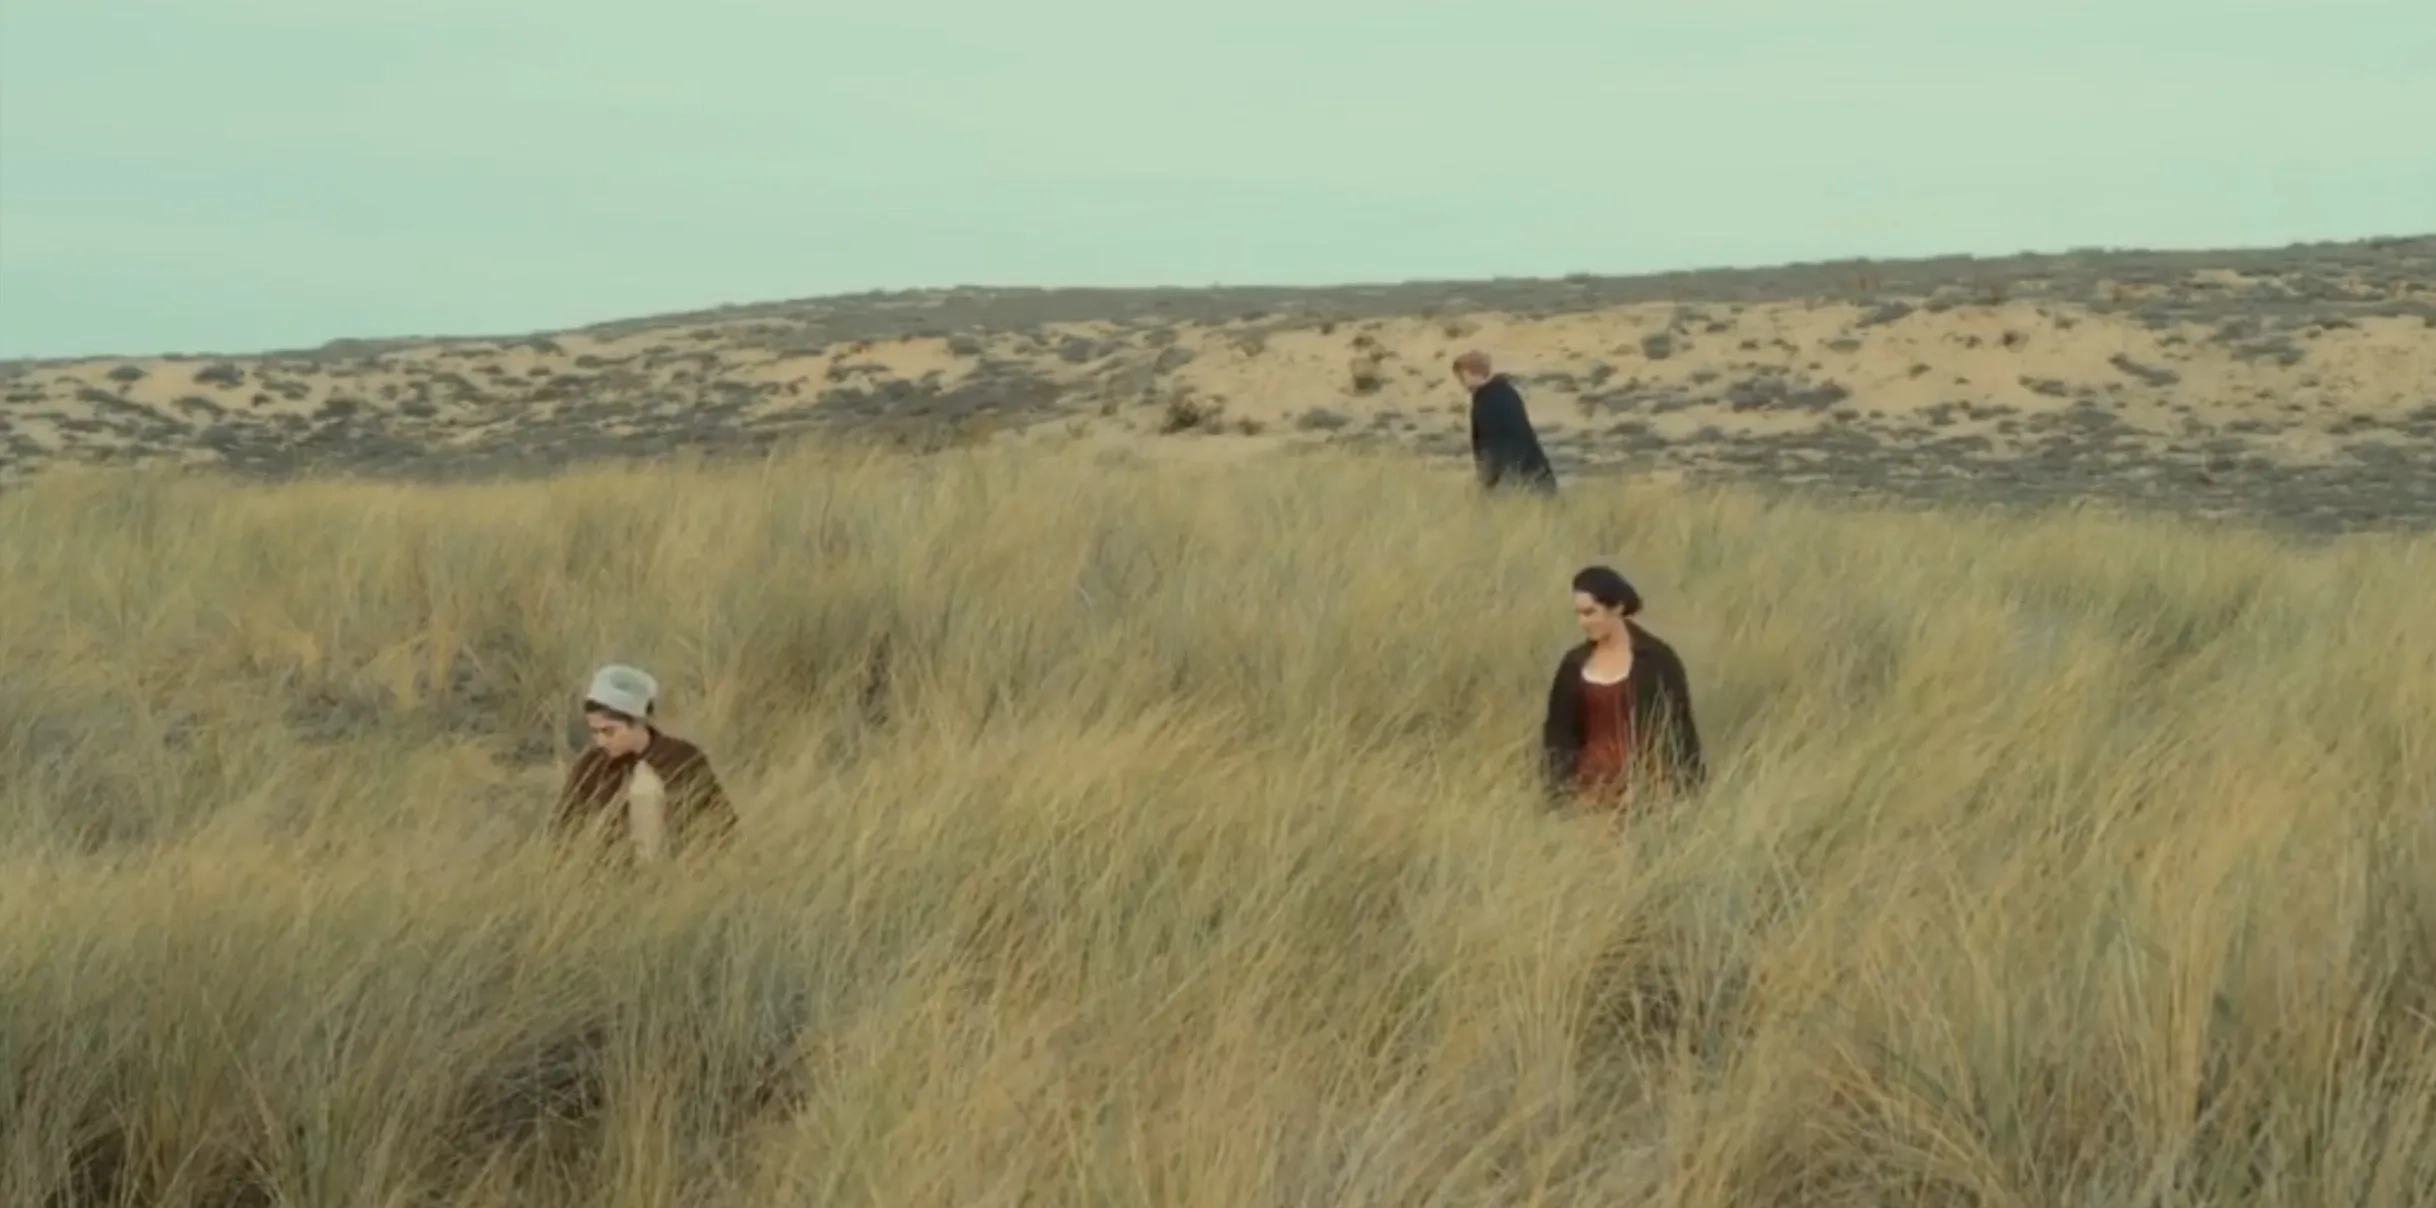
1167, 835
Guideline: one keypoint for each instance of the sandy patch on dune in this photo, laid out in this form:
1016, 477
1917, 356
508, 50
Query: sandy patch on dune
2204, 372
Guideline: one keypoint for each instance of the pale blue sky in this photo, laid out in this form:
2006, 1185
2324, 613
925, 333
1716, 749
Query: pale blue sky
233, 175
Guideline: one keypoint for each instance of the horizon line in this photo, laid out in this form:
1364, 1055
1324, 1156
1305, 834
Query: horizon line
728, 311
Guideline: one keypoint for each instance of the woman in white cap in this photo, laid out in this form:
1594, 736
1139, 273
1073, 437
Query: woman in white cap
638, 790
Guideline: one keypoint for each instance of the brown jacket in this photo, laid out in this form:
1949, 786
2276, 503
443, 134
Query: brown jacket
698, 812
1663, 731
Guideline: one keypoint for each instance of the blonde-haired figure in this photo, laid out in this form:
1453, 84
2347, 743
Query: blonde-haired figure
1505, 448
640, 794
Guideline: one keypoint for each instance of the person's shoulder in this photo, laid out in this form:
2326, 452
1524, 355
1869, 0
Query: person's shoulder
666, 745
669, 753
590, 772
1650, 646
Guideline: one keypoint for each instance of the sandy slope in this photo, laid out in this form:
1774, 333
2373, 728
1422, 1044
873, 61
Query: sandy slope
2299, 382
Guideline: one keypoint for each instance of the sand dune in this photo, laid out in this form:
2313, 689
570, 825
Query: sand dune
2297, 384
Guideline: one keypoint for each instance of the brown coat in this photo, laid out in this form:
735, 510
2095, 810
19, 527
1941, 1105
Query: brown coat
699, 814
1662, 730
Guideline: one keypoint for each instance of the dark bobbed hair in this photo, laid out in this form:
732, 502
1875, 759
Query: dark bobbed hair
1610, 589
594, 708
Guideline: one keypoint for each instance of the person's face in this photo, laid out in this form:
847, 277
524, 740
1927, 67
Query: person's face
1469, 379
1598, 621
617, 737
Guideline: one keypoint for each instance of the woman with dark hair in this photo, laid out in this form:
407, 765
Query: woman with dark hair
1620, 707
638, 791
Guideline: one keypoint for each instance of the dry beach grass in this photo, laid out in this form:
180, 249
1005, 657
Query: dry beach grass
1160, 835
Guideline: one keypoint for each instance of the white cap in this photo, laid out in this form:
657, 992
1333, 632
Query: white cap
629, 690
